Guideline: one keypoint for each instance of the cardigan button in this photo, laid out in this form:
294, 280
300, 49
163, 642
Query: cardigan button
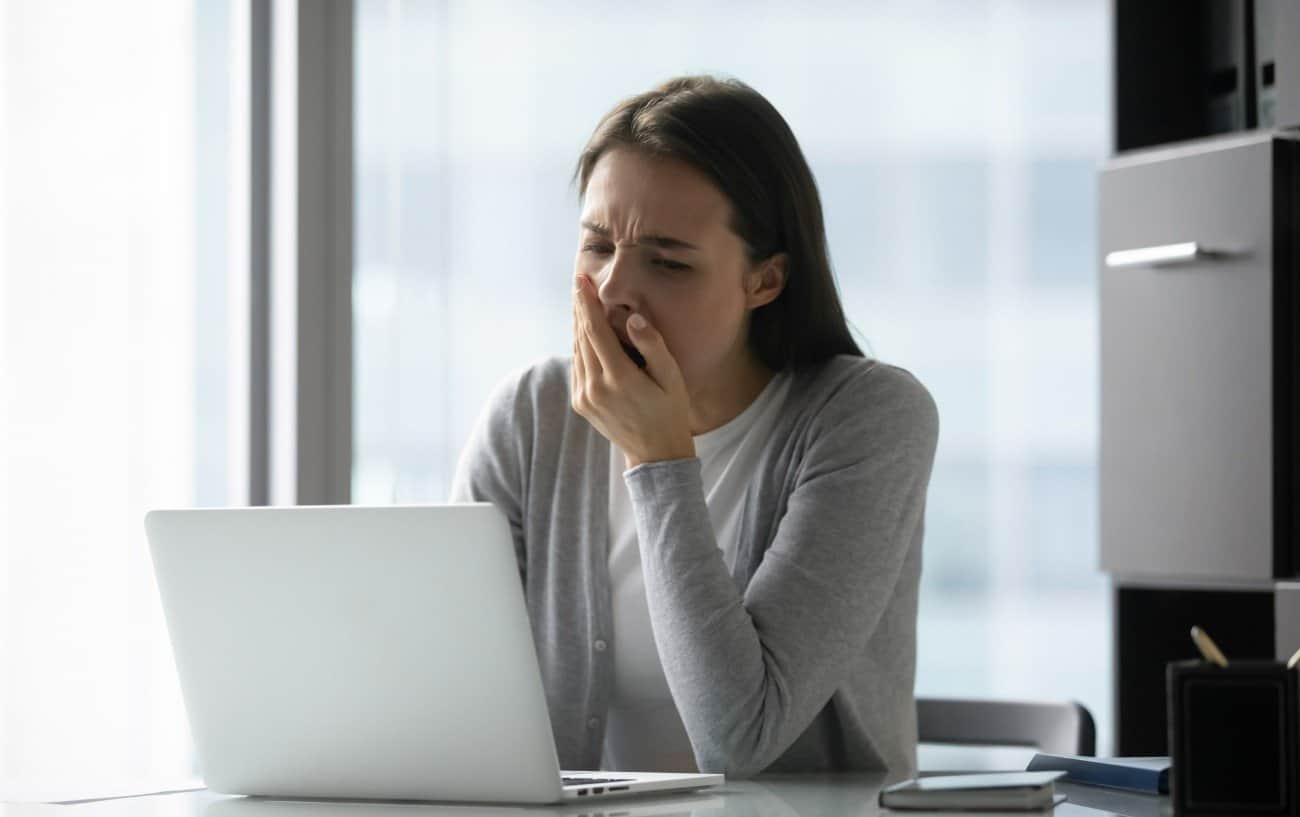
593, 723
599, 645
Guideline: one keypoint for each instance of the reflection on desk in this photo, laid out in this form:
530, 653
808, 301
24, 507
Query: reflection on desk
32, 810
811, 795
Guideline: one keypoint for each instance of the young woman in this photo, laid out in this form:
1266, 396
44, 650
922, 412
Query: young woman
717, 501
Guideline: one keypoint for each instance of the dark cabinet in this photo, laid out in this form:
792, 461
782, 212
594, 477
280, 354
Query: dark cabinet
1187, 69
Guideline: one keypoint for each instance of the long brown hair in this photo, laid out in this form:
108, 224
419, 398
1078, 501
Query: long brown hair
731, 133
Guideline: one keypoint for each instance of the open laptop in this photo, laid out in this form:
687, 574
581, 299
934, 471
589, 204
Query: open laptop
365, 653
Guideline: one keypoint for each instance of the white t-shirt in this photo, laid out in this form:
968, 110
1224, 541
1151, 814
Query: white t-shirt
643, 731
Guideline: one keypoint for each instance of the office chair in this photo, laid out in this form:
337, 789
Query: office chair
1060, 728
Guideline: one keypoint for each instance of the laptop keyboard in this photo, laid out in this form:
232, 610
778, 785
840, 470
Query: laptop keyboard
583, 781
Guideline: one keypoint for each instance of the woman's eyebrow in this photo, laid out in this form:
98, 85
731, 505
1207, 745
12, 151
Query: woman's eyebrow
662, 241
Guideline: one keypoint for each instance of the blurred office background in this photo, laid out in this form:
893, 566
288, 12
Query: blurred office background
955, 145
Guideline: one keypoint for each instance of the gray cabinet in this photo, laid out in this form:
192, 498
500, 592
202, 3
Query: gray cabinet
1286, 619
1199, 460
1186, 460
1279, 24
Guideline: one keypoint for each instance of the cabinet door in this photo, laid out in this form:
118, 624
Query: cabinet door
1186, 461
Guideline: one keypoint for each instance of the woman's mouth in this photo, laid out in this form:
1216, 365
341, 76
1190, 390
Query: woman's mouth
636, 356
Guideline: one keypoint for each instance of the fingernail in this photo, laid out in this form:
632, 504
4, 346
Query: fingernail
637, 322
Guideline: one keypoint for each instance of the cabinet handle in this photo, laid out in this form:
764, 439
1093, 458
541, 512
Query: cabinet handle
1164, 255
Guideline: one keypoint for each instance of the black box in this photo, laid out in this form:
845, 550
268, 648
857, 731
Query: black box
1232, 738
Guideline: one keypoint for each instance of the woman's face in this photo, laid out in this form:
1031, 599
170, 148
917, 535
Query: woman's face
654, 239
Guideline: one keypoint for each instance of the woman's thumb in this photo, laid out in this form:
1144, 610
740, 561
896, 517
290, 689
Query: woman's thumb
659, 362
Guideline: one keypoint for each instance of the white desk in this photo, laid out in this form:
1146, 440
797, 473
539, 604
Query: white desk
829, 795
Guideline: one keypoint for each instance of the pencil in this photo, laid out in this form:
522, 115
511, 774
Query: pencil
1208, 648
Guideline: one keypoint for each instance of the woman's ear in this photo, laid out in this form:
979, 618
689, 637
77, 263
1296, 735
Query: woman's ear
767, 280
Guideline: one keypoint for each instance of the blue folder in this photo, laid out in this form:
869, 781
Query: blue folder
1142, 774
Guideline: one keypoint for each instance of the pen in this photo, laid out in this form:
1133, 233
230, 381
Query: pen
1295, 659
1208, 648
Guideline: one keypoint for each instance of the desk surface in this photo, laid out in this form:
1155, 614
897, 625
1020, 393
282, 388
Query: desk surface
830, 795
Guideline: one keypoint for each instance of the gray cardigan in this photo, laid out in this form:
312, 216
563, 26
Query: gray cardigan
800, 656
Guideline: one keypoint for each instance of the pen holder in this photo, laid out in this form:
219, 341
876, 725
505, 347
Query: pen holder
1232, 738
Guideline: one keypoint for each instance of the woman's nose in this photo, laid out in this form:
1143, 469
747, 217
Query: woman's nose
614, 286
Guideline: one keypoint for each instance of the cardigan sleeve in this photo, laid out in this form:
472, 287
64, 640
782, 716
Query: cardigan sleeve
493, 464
750, 671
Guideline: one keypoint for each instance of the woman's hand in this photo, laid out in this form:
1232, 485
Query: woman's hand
646, 413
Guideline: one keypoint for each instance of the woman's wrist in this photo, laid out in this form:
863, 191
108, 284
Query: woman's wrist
680, 452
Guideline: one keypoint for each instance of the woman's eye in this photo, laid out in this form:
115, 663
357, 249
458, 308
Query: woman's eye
666, 263
672, 265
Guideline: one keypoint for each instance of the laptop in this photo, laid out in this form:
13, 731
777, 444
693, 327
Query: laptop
364, 653
676, 805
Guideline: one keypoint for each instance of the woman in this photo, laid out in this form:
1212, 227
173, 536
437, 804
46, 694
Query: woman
717, 501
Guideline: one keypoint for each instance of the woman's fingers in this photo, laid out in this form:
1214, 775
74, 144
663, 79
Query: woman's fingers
605, 352
592, 361
575, 388
591, 369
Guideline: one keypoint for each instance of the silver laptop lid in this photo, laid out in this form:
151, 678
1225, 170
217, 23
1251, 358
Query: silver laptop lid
345, 651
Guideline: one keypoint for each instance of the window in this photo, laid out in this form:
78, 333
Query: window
953, 144
120, 367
